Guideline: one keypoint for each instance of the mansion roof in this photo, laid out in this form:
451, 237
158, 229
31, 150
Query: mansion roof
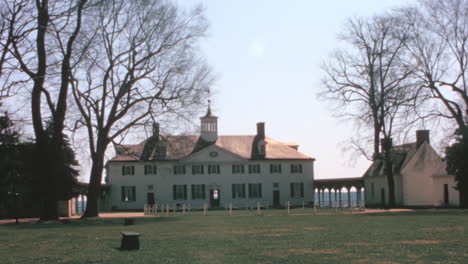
179, 147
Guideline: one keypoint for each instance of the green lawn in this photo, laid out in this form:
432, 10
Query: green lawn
424, 236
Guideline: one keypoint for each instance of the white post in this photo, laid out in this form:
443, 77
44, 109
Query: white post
167, 209
156, 208
303, 205
204, 208
183, 209
289, 210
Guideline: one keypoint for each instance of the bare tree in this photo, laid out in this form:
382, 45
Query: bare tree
371, 84
143, 64
40, 36
438, 47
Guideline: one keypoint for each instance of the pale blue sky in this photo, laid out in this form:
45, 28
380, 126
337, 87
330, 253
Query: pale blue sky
267, 57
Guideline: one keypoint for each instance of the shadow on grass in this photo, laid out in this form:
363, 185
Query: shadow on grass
424, 212
89, 222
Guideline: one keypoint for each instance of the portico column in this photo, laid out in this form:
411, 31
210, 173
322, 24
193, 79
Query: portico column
329, 198
339, 197
318, 196
323, 198
334, 201
358, 201
349, 197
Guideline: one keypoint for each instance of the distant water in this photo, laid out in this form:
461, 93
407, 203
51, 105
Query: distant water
81, 206
344, 198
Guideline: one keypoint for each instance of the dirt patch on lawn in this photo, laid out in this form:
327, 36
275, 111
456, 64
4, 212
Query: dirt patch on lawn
357, 244
441, 229
241, 232
313, 228
314, 251
420, 242
359, 261
281, 230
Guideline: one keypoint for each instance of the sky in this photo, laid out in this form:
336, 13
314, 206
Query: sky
266, 55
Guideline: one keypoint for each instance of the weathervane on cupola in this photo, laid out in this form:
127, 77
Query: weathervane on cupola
209, 125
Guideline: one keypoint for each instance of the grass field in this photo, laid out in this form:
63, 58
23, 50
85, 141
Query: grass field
423, 236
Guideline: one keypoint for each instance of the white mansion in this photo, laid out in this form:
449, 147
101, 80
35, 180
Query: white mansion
210, 169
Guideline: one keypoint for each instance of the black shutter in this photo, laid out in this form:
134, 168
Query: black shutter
183, 169
271, 168
174, 192
233, 191
133, 193
300, 168
185, 191
250, 190
133, 170
155, 169
292, 189
279, 168
260, 190
123, 170
123, 193
302, 189
243, 190
203, 191
193, 191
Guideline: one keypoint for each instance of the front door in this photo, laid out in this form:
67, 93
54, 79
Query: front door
150, 198
382, 196
446, 194
215, 197
276, 198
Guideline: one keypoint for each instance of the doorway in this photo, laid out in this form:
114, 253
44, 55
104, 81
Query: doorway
150, 198
215, 198
446, 194
382, 196
276, 198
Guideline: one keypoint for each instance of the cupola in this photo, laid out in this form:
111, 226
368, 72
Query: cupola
209, 126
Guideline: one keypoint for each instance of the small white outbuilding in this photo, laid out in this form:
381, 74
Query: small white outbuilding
420, 177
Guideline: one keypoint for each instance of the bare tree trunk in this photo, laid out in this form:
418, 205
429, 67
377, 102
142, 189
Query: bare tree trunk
94, 189
388, 171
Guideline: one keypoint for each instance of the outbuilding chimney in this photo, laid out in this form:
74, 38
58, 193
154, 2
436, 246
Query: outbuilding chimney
421, 137
385, 143
156, 130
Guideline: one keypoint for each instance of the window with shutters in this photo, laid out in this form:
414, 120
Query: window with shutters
297, 190
238, 191
255, 190
179, 169
197, 169
150, 169
128, 193
128, 170
198, 191
179, 191
275, 168
237, 169
213, 169
254, 168
296, 168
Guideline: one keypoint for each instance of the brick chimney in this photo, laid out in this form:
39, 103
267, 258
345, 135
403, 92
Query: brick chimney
421, 137
384, 143
156, 131
261, 130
